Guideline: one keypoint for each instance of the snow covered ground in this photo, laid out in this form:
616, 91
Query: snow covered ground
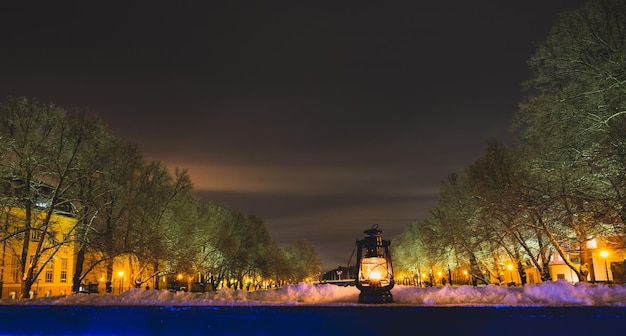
555, 308
559, 293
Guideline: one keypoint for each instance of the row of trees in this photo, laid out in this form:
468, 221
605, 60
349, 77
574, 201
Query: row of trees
562, 182
124, 206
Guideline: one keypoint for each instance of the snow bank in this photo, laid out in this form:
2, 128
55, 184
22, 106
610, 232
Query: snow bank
559, 293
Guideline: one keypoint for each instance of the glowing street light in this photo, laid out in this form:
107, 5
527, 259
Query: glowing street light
605, 254
121, 275
510, 267
375, 274
179, 281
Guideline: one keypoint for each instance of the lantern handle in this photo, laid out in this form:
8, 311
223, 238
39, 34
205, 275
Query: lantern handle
374, 227
352, 255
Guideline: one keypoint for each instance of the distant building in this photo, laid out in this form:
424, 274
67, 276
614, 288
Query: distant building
606, 254
58, 253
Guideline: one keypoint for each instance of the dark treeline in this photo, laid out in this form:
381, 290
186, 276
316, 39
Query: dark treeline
562, 181
123, 205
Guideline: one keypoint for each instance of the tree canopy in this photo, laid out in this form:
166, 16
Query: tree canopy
56, 162
562, 181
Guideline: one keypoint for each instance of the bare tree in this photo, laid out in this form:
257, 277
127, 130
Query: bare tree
41, 150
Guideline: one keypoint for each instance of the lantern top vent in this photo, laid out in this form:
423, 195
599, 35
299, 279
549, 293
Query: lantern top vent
374, 231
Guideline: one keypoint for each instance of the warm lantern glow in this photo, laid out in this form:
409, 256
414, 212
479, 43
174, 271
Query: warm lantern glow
375, 274
374, 269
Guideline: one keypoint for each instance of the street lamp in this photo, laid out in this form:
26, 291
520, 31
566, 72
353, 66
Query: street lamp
179, 281
375, 273
605, 254
121, 275
510, 267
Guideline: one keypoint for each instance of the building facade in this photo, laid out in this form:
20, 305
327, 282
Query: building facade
54, 269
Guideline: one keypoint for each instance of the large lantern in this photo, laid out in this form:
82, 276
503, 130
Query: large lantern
375, 274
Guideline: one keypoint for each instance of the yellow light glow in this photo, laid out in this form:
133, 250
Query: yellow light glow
375, 275
374, 268
120, 273
604, 254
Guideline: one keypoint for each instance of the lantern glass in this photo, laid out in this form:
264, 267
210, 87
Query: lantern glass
374, 269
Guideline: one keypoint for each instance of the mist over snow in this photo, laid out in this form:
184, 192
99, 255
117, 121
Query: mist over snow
560, 293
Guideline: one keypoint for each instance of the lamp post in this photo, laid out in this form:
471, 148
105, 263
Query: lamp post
121, 275
605, 254
374, 274
510, 267
179, 281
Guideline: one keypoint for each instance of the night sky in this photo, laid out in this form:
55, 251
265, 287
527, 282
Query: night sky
321, 118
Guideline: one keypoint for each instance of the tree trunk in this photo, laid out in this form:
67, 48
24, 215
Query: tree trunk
78, 270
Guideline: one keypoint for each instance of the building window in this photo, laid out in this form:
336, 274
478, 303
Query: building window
15, 275
49, 271
63, 269
591, 244
15, 268
48, 275
35, 235
560, 276
51, 237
